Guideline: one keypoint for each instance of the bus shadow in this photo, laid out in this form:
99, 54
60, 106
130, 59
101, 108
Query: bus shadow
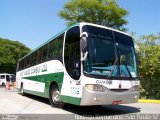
91, 110
101, 110
2, 86
37, 98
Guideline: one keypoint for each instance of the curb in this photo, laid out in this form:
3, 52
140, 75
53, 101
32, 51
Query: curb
149, 101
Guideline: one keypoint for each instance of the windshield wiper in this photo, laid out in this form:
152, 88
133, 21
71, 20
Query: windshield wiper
112, 69
128, 71
116, 60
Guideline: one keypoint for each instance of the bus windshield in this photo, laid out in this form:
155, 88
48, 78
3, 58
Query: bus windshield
110, 54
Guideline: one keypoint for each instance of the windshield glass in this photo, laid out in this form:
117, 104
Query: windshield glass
110, 54
127, 58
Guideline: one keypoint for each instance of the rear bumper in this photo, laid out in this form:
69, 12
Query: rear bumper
108, 97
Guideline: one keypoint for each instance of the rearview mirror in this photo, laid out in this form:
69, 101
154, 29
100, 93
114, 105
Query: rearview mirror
83, 42
85, 56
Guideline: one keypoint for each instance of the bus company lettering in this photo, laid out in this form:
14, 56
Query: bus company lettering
103, 81
44, 68
34, 70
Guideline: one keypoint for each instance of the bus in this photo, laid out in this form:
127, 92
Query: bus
6, 77
85, 65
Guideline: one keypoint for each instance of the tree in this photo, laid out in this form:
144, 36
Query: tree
150, 65
102, 12
10, 52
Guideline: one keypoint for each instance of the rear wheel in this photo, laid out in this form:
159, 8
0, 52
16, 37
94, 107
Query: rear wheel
3, 84
21, 89
54, 97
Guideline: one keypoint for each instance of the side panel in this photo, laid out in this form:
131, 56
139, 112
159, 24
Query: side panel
2, 81
37, 79
71, 91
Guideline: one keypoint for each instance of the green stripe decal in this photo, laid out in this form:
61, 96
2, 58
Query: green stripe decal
47, 79
36, 93
69, 99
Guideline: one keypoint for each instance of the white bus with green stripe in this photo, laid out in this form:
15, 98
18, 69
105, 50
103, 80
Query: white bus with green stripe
86, 64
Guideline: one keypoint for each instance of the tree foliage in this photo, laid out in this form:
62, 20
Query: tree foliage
150, 65
102, 12
10, 52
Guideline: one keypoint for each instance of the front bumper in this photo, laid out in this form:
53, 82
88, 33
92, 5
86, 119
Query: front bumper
109, 97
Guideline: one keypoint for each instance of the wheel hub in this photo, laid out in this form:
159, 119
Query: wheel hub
55, 96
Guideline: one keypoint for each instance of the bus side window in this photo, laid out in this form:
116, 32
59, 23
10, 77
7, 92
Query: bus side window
38, 56
55, 47
60, 45
7, 78
45, 53
52, 49
32, 59
2, 77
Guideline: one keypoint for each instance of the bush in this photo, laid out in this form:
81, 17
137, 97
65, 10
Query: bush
150, 66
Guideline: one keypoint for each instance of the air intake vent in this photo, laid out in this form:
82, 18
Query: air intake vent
119, 90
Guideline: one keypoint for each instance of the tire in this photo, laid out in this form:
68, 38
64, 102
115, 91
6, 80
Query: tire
3, 84
21, 89
54, 97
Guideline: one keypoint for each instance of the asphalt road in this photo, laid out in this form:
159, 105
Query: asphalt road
11, 102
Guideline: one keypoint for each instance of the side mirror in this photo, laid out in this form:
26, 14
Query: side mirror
137, 50
83, 42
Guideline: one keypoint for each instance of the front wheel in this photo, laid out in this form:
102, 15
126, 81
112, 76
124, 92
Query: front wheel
54, 97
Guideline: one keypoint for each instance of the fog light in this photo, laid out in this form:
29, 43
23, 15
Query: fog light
95, 99
135, 97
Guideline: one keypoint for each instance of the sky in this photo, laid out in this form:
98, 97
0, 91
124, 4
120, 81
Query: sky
32, 22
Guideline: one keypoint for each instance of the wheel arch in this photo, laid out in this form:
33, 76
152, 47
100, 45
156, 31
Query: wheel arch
53, 83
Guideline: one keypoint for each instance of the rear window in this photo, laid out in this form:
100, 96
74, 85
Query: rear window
2, 76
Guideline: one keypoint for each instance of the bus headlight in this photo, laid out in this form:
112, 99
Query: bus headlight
135, 88
95, 87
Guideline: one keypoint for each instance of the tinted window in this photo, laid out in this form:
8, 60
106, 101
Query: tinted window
45, 53
2, 76
110, 54
33, 58
52, 50
56, 47
123, 39
99, 33
28, 61
39, 56
72, 52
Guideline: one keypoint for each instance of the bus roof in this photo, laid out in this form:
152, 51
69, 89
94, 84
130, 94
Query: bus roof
105, 27
76, 24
